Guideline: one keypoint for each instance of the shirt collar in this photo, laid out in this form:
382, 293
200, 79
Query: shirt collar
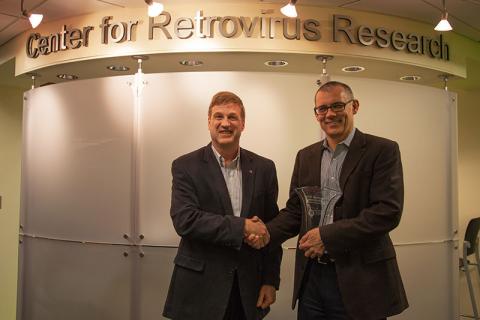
221, 161
346, 142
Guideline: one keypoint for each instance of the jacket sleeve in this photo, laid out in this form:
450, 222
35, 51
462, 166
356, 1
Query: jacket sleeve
271, 254
287, 224
382, 212
191, 222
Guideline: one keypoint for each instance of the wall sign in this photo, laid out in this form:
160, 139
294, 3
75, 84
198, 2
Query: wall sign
164, 28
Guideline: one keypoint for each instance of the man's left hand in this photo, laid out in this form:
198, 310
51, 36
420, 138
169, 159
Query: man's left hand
266, 296
312, 244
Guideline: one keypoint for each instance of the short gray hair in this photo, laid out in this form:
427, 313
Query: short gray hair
328, 86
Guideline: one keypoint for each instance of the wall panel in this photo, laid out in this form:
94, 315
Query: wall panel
86, 180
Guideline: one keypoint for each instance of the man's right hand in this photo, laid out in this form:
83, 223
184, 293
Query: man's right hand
256, 233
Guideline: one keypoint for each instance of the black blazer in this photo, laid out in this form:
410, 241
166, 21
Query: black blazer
211, 250
372, 183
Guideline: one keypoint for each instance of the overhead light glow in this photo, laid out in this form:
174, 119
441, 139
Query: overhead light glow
35, 19
444, 25
289, 10
154, 9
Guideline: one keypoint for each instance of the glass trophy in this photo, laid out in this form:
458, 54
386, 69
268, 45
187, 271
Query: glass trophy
318, 204
311, 198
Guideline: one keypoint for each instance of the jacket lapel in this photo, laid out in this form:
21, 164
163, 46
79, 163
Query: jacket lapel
316, 160
248, 178
218, 180
355, 153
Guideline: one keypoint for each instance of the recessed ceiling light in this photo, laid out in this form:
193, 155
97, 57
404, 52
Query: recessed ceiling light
410, 78
353, 69
191, 63
276, 63
118, 68
65, 76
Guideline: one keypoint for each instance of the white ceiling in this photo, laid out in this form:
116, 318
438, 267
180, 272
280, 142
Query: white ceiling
464, 15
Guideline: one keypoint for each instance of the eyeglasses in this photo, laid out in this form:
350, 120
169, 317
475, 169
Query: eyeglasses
336, 107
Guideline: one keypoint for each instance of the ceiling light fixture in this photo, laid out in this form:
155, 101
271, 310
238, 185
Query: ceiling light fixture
444, 25
445, 78
353, 69
33, 76
34, 18
410, 78
324, 77
191, 63
276, 63
289, 10
140, 56
139, 81
65, 76
154, 8
118, 68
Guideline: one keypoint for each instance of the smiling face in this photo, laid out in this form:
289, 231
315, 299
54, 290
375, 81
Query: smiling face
337, 125
225, 123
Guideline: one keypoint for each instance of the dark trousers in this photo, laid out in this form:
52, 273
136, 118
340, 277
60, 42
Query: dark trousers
320, 298
235, 308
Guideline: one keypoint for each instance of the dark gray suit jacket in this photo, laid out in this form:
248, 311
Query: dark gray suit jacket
211, 250
372, 183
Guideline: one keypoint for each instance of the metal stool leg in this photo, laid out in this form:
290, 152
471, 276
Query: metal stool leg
469, 281
477, 257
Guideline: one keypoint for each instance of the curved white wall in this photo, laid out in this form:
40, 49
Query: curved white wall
82, 175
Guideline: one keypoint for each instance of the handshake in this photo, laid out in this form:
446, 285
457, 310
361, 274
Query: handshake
257, 236
255, 233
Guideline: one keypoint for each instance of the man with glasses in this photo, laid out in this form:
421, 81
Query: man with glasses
346, 195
